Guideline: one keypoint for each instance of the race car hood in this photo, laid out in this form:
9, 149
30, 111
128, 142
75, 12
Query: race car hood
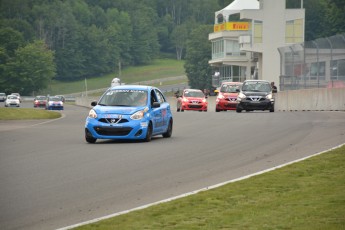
195, 98
230, 94
116, 109
248, 94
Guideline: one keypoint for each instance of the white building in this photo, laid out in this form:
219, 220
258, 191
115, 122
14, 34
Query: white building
247, 35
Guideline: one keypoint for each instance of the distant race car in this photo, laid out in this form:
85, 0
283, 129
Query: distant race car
3, 96
192, 99
12, 100
40, 101
54, 103
255, 95
133, 112
227, 96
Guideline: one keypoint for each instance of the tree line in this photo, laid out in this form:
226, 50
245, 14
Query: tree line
68, 40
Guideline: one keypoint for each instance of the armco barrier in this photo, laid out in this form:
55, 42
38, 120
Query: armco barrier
322, 99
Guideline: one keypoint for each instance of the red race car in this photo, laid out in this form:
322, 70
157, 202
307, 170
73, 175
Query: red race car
40, 101
192, 99
227, 96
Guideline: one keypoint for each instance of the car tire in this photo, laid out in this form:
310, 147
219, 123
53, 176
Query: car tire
238, 110
89, 138
217, 110
272, 109
169, 130
148, 136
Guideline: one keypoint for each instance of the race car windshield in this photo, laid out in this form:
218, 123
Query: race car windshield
124, 97
194, 94
257, 87
229, 88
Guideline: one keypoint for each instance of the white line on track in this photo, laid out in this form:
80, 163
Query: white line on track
194, 192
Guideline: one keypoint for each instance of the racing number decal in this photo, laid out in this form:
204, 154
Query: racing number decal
160, 116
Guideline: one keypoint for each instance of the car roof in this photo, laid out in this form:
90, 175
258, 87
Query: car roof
193, 90
257, 81
232, 83
136, 87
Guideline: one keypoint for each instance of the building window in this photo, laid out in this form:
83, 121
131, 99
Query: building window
257, 31
294, 31
317, 70
233, 48
217, 49
338, 70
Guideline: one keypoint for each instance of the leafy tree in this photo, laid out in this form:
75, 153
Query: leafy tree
145, 44
179, 38
30, 70
10, 40
197, 56
334, 17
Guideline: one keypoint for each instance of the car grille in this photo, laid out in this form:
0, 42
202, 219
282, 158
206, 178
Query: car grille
256, 98
231, 99
112, 131
230, 105
113, 120
194, 106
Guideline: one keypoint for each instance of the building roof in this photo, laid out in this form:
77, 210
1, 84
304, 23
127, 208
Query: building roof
238, 5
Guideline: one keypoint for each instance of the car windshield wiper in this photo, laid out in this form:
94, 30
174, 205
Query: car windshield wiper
102, 104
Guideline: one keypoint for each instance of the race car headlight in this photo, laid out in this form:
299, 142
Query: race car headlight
220, 96
204, 100
241, 96
140, 114
269, 96
185, 99
92, 114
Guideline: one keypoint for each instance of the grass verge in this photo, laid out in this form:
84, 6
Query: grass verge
305, 195
27, 113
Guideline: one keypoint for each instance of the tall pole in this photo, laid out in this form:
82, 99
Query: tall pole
85, 87
120, 69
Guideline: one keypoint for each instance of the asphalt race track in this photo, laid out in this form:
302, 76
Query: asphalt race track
51, 178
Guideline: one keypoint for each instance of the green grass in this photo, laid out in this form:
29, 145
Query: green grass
305, 195
160, 68
27, 113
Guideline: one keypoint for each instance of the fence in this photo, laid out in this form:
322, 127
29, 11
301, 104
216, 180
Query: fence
313, 64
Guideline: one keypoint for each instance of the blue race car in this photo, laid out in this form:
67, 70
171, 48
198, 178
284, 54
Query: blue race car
133, 112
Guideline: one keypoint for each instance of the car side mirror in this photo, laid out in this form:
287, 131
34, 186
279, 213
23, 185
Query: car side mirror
93, 103
156, 105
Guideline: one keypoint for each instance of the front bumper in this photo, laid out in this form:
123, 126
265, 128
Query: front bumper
247, 104
12, 104
55, 107
226, 104
39, 105
127, 129
194, 106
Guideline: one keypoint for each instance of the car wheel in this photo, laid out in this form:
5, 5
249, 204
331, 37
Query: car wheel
148, 136
238, 110
169, 130
217, 110
89, 138
272, 109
